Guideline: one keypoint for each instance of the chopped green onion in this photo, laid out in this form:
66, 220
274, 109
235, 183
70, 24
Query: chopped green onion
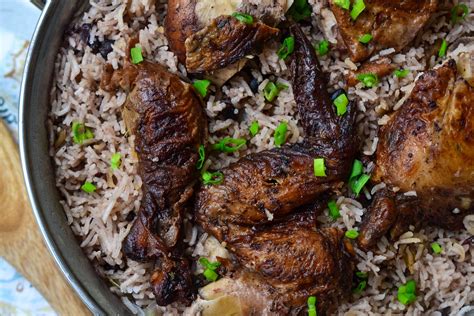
209, 265
281, 86
362, 275
459, 12
312, 306
270, 91
80, 133
345, 4
401, 73
286, 48
366, 38
352, 234
443, 49
360, 287
319, 167
229, 145
369, 80
244, 18
436, 247
88, 187
136, 54
254, 128
341, 103
212, 177
357, 9
300, 10
210, 275
201, 86
357, 168
333, 210
202, 157
115, 161
323, 47
407, 293
280, 134
359, 184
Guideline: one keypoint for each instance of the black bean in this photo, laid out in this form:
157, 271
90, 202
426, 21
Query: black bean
85, 32
229, 112
106, 47
254, 85
130, 216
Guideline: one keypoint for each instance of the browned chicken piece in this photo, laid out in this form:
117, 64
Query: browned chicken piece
392, 23
256, 211
427, 147
381, 67
225, 41
166, 117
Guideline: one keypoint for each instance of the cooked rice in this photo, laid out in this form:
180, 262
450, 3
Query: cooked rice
102, 219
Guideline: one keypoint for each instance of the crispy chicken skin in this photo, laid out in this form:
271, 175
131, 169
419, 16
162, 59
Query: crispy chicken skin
392, 23
225, 41
428, 147
167, 119
287, 252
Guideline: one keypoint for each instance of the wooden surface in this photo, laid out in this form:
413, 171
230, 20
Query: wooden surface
21, 243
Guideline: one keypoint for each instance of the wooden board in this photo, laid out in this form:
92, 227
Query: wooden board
21, 243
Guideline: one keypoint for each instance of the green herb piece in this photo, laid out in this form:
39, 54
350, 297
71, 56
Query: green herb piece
333, 210
312, 306
286, 48
357, 168
360, 287
115, 161
212, 177
366, 38
136, 54
300, 10
345, 4
407, 293
210, 275
209, 265
369, 79
88, 187
401, 73
341, 103
357, 9
359, 184
319, 167
280, 134
242, 17
272, 90
351, 234
202, 157
459, 12
322, 47
229, 145
443, 49
436, 247
201, 87
362, 275
254, 128
80, 133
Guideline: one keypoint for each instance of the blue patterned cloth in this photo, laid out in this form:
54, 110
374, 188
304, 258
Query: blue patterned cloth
17, 22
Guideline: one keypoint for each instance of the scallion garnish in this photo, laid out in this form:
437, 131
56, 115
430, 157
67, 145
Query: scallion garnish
362, 275
202, 157
80, 133
201, 86
300, 10
136, 55
270, 91
345, 4
341, 103
401, 73
366, 38
242, 17
229, 145
357, 168
322, 47
369, 79
88, 187
359, 184
407, 293
210, 269
459, 12
319, 167
443, 49
333, 210
360, 287
212, 177
280, 134
351, 234
254, 128
436, 247
357, 9
312, 306
286, 48
115, 161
